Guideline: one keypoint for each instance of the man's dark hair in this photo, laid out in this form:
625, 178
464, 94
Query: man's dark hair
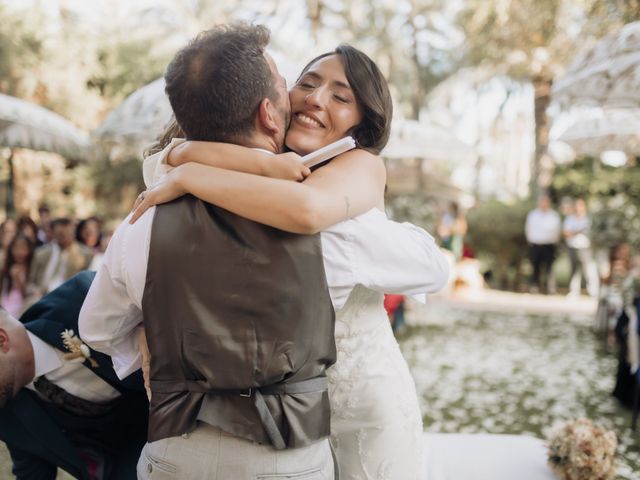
216, 83
62, 222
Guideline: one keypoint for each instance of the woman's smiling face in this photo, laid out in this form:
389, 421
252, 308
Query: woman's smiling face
323, 107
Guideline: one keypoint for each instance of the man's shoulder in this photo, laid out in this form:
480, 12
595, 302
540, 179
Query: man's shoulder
43, 250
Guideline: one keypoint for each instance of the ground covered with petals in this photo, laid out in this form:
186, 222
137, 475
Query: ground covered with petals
516, 374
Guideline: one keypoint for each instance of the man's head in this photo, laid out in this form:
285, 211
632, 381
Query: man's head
63, 232
224, 87
16, 357
580, 207
544, 202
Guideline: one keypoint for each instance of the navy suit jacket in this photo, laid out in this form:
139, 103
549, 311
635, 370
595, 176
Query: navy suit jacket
41, 437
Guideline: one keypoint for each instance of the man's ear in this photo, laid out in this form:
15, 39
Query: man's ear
268, 116
4, 341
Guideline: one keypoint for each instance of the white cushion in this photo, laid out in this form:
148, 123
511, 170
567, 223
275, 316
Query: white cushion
485, 457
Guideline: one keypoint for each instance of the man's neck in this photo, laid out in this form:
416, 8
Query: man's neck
263, 142
26, 362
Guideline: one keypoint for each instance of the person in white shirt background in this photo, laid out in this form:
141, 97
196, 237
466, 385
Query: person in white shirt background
376, 423
543, 230
576, 233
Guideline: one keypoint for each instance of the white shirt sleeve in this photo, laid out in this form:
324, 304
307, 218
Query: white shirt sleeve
111, 319
155, 166
394, 257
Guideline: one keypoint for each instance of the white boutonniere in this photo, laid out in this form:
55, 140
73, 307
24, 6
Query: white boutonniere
78, 351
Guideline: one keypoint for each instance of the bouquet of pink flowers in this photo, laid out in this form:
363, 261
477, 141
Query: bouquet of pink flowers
579, 450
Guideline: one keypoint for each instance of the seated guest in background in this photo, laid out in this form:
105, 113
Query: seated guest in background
13, 281
8, 230
57, 261
28, 227
61, 404
89, 233
44, 228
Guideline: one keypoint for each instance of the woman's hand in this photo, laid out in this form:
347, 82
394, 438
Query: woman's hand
146, 361
286, 166
169, 188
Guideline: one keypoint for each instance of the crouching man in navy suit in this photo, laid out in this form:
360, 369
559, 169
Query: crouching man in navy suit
61, 403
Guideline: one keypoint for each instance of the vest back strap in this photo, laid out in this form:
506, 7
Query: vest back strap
317, 384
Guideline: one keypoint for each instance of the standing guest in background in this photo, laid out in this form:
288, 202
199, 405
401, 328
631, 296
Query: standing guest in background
576, 232
8, 230
13, 282
28, 227
394, 305
61, 404
57, 261
542, 230
44, 229
452, 229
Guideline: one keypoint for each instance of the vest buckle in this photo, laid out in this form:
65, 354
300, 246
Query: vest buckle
246, 393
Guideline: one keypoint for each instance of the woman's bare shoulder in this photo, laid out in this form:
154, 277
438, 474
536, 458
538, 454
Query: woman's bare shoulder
358, 159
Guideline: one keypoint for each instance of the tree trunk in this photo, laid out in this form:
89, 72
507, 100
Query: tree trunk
542, 171
10, 206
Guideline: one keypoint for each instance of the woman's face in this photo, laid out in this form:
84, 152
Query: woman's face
90, 233
20, 251
323, 107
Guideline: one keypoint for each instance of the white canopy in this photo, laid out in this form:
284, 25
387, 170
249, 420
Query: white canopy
139, 120
413, 139
613, 129
607, 75
27, 125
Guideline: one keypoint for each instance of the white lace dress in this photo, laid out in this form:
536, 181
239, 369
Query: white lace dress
376, 426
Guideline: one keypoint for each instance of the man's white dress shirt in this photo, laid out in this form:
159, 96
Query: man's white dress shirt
542, 227
70, 375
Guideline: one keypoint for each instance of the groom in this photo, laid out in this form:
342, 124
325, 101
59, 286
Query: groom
237, 315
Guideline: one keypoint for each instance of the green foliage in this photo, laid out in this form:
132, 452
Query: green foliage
613, 195
414, 208
496, 234
116, 186
126, 65
21, 48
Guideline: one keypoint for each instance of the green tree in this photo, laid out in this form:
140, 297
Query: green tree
527, 40
613, 195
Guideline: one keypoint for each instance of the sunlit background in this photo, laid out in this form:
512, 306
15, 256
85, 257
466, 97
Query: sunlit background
495, 101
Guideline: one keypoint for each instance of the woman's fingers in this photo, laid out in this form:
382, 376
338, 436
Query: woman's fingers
141, 207
139, 199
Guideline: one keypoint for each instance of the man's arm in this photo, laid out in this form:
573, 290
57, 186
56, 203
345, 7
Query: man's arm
110, 319
394, 257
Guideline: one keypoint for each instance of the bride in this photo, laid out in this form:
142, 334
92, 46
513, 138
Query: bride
376, 424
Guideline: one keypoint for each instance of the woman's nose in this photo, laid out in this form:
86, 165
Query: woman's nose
315, 98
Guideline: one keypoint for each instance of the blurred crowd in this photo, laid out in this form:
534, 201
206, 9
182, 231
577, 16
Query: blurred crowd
37, 257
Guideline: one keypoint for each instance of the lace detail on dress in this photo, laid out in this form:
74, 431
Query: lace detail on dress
376, 424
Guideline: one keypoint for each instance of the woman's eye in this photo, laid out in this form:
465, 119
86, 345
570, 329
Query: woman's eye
341, 99
305, 85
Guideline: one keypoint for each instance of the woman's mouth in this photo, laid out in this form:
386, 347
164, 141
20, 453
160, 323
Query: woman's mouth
308, 121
